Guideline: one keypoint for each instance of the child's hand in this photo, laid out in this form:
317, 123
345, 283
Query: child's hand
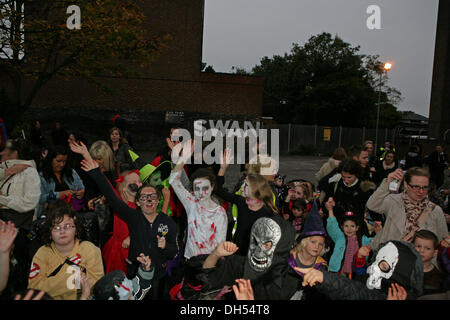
311, 276
396, 292
145, 261
86, 285
377, 226
245, 290
291, 193
161, 242
8, 233
126, 242
330, 204
225, 248
445, 243
226, 158
363, 252
29, 295
165, 193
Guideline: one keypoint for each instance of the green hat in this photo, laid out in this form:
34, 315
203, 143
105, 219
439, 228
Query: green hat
146, 169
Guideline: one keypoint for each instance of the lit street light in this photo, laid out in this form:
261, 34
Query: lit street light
386, 67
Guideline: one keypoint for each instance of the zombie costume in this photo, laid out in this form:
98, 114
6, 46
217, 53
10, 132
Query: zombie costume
266, 267
206, 227
245, 219
56, 275
143, 234
405, 267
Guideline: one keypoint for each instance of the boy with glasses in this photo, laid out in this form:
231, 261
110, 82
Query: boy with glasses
408, 211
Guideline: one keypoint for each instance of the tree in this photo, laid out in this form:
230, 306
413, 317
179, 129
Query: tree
325, 82
36, 45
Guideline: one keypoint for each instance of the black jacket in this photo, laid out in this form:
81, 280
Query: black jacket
142, 233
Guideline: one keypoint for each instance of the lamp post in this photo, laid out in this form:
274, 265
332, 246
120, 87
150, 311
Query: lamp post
387, 66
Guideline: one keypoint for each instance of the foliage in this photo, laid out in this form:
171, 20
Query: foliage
113, 41
326, 82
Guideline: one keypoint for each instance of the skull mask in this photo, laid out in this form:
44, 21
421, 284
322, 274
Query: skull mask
264, 237
383, 266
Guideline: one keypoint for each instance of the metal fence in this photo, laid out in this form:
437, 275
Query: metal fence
322, 140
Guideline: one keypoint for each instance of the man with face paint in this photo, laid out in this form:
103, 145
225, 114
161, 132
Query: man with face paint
207, 220
397, 263
265, 263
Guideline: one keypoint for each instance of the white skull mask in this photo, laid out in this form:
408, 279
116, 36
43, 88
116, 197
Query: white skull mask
202, 189
386, 255
264, 237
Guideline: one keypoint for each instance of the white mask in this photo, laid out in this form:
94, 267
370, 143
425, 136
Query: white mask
202, 189
389, 254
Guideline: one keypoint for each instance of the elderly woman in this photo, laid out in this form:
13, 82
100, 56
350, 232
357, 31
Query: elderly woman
408, 211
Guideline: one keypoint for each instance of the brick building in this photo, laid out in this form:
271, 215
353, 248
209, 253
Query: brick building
173, 83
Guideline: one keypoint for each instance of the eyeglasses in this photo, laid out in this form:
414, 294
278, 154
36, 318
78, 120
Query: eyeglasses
146, 197
417, 188
65, 227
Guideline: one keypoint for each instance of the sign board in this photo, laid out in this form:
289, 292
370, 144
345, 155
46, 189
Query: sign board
326, 133
174, 117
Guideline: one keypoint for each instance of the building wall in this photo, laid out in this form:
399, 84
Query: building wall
439, 121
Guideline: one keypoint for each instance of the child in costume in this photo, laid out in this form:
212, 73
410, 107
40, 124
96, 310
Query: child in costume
396, 263
157, 177
115, 250
57, 266
311, 246
347, 242
207, 220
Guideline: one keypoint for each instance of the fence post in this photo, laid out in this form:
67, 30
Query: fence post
289, 137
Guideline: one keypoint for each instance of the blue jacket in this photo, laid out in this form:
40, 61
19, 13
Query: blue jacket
48, 193
340, 243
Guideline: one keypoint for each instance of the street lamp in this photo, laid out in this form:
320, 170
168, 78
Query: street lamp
386, 67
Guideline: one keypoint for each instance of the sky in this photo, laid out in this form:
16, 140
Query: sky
240, 32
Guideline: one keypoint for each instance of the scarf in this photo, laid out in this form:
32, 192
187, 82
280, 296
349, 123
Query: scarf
413, 211
351, 250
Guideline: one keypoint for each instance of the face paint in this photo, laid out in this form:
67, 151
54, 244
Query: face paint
246, 191
383, 266
264, 237
133, 188
202, 189
155, 179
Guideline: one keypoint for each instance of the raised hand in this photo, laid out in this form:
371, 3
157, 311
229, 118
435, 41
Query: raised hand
330, 204
8, 233
226, 158
397, 174
225, 248
364, 251
243, 290
182, 152
80, 148
88, 165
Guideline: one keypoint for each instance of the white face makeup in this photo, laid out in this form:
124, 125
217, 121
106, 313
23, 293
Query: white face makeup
246, 191
202, 189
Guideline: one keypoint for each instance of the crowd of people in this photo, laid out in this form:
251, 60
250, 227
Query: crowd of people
94, 221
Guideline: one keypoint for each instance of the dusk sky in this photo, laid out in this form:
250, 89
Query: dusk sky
240, 32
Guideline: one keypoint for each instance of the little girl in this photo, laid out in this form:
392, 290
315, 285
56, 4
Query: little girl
59, 264
347, 241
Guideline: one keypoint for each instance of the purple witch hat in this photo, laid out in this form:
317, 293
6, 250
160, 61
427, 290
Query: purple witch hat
313, 224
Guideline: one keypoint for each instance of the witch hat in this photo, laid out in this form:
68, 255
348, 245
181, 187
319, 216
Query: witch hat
146, 169
313, 224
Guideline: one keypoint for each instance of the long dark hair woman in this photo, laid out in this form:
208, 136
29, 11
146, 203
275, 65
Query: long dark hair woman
60, 181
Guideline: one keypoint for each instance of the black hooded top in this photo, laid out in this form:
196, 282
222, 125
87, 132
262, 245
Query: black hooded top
269, 285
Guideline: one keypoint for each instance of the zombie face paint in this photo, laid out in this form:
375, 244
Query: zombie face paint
248, 194
202, 189
155, 179
383, 266
264, 237
125, 289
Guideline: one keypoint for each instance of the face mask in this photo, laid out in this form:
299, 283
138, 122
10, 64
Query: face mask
124, 289
389, 254
202, 189
264, 237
